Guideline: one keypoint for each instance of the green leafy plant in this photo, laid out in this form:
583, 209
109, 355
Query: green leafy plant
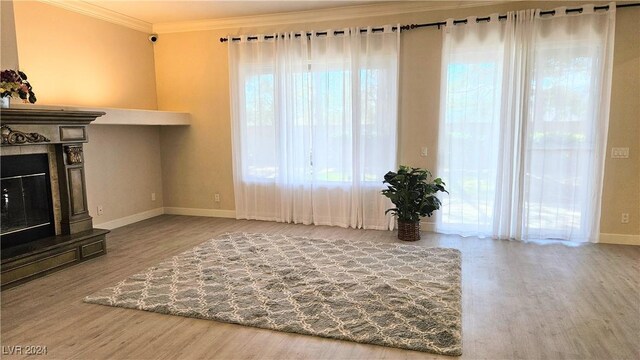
412, 192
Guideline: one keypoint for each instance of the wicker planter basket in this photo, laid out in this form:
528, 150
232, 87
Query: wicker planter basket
408, 230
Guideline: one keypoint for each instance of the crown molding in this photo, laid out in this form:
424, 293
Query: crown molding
298, 17
101, 13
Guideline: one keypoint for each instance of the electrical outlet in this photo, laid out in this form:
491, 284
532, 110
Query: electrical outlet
216, 197
153, 196
625, 218
100, 210
424, 151
620, 153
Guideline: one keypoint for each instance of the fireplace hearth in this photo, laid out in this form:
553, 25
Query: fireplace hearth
45, 223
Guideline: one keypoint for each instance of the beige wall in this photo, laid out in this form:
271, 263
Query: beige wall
192, 75
123, 169
622, 176
75, 58
9, 53
72, 59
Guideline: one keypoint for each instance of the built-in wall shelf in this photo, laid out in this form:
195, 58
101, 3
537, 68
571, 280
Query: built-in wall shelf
115, 116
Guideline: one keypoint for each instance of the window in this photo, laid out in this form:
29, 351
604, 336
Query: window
315, 127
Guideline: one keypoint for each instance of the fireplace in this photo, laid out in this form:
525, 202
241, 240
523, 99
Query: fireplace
45, 224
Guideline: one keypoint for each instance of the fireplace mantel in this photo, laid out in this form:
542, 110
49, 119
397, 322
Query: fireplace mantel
64, 133
49, 117
45, 126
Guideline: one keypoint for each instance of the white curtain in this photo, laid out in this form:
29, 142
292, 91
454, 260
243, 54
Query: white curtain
315, 126
473, 82
524, 120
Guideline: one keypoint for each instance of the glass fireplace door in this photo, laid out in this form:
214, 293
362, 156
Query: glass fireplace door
26, 210
24, 203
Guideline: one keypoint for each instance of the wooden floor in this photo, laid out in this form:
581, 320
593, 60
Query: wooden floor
520, 301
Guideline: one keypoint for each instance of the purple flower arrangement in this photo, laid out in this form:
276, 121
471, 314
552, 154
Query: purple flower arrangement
14, 84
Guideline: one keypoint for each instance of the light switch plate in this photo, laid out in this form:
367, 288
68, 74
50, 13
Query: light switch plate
424, 151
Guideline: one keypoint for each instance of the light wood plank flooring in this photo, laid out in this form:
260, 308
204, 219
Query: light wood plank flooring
520, 301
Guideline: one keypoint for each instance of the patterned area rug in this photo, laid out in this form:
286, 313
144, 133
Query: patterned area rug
395, 295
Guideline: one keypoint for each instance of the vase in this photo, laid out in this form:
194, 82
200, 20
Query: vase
408, 230
5, 102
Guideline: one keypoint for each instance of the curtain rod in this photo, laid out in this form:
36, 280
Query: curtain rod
438, 24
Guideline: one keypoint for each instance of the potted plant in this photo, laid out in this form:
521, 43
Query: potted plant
14, 84
412, 192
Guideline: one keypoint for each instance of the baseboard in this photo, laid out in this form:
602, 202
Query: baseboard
621, 239
427, 226
113, 224
200, 212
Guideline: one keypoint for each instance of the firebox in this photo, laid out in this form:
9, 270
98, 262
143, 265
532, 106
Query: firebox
26, 206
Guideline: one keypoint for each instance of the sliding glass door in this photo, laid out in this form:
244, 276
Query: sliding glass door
523, 125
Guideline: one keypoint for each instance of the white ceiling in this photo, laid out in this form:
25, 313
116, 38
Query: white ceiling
155, 12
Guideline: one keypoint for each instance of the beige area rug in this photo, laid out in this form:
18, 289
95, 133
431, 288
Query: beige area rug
395, 295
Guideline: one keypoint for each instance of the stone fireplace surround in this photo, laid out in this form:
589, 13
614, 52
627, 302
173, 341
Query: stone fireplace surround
60, 134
